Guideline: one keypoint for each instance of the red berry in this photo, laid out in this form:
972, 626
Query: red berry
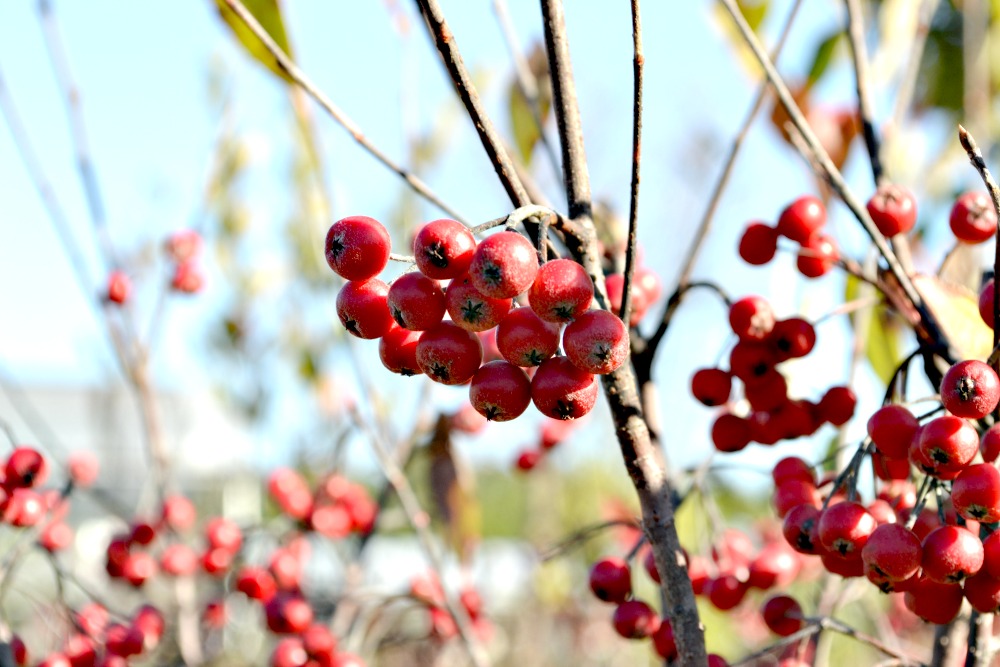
635, 619
799, 528
25, 467
357, 248
178, 513
256, 583
751, 361
224, 534
55, 536
951, 553
83, 468
837, 405
973, 219
793, 493
615, 285
975, 493
449, 354
611, 580
504, 265
561, 390
363, 308
944, 445
179, 560
802, 219
472, 310
893, 552
289, 652
970, 389
415, 301
775, 565
524, 339
934, 602
596, 342
792, 338
817, 256
123, 640
892, 428
397, 350
730, 433
893, 209
443, 249
991, 553
783, 615
288, 614
986, 303
989, 445
528, 459
291, 492
751, 318
726, 591
561, 291
711, 386
983, 592
663, 641
150, 622
844, 528
187, 278
792, 468
119, 287
758, 243
500, 391
183, 245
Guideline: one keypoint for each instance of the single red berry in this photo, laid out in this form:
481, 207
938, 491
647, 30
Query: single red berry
83, 468
443, 249
183, 245
882, 511
224, 534
973, 219
758, 243
893, 209
837, 405
792, 338
142, 532
289, 652
25, 467
892, 428
596, 342
844, 528
79, 650
55, 536
291, 492
730, 433
178, 512
767, 392
934, 602
950, 554
415, 301
782, 615
472, 310
663, 641
944, 445
24, 507
119, 287
397, 350
500, 391
792, 468
561, 390
187, 278
357, 248
363, 308
179, 560
986, 303
449, 354
989, 445
504, 265
817, 256
528, 459
975, 493
649, 564
635, 619
982, 590
256, 583
288, 614
711, 386
776, 564
751, 318
888, 469
123, 640
561, 291
793, 493
611, 580
970, 389
150, 622
726, 591
525, 339
802, 219
850, 566
751, 361
893, 552
319, 643
347, 660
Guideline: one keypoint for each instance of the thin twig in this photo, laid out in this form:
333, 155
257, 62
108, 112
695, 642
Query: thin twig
582, 535
335, 112
859, 53
633, 203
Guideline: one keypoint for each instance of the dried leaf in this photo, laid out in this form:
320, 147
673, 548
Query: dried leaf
453, 491
522, 121
956, 308
268, 14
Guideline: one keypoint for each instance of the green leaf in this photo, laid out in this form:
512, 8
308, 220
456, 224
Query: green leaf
823, 57
526, 131
754, 11
882, 331
268, 14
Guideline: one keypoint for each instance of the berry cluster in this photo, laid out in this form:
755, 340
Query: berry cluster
426, 589
764, 343
182, 249
801, 221
409, 317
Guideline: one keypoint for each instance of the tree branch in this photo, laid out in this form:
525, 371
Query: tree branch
859, 54
633, 204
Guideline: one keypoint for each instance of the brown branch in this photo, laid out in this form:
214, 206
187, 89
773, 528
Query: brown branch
574, 157
633, 204
945, 641
303, 81
978, 653
444, 40
859, 54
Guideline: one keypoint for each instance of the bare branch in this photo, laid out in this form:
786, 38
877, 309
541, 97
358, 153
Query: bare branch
859, 53
633, 208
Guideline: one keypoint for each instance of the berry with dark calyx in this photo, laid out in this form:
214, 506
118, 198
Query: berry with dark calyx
397, 349
730, 433
751, 361
892, 428
596, 342
500, 391
751, 318
817, 256
893, 209
357, 247
986, 303
802, 219
837, 405
782, 615
525, 339
363, 308
844, 528
989, 444
611, 580
416, 302
561, 291
711, 386
25, 468
973, 219
443, 249
792, 338
975, 493
472, 310
504, 265
561, 390
944, 444
970, 389
893, 552
119, 287
758, 243
950, 554
933, 601
449, 354
635, 619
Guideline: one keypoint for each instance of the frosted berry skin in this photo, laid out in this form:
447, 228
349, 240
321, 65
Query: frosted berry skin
802, 219
416, 302
844, 528
560, 390
893, 552
758, 243
596, 342
970, 389
951, 553
500, 391
504, 265
471, 309
363, 308
944, 444
561, 291
357, 248
397, 350
449, 354
443, 249
975, 493
893, 209
892, 428
611, 580
525, 339
972, 218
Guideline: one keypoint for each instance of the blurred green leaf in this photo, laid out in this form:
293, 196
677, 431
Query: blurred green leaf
883, 335
755, 11
941, 82
268, 14
523, 124
823, 57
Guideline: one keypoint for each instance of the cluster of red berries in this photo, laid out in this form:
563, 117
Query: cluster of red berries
427, 590
182, 249
764, 343
801, 221
551, 433
409, 316
337, 507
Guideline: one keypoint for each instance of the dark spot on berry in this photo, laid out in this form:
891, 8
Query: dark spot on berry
563, 312
440, 372
492, 274
534, 358
436, 256
492, 413
397, 315
472, 311
408, 372
940, 456
336, 246
602, 352
352, 326
565, 409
